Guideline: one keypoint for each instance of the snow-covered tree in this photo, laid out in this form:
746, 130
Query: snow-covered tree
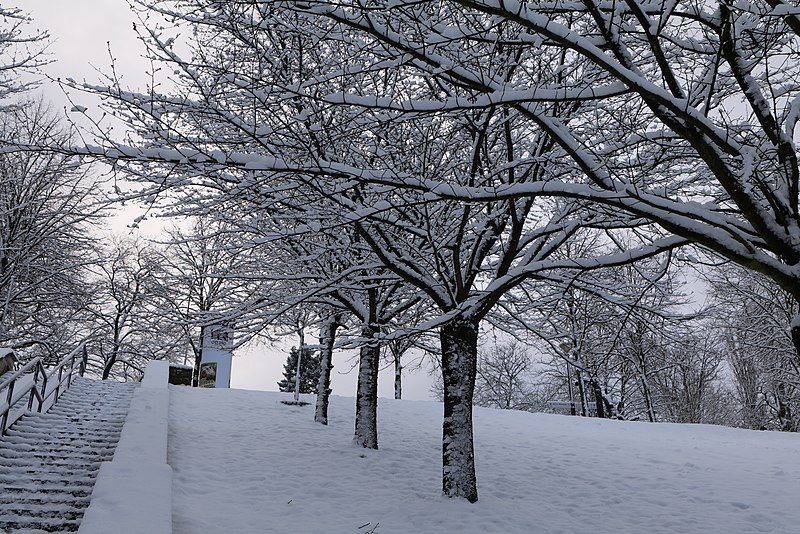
331, 322
435, 131
688, 387
397, 348
46, 210
504, 378
128, 328
681, 123
752, 319
21, 52
258, 126
203, 280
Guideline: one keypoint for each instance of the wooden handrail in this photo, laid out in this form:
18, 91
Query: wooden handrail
75, 360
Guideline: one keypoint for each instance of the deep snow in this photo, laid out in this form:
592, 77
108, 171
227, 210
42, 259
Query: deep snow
245, 463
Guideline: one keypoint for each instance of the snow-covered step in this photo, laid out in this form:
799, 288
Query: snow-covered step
15, 448
37, 439
49, 462
57, 429
70, 457
14, 522
30, 513
34, 478
39, 493
47, 501
35, 465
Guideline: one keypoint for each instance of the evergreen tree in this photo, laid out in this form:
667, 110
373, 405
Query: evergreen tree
309, 371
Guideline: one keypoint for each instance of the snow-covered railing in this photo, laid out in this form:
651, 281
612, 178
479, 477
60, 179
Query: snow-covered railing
39, 384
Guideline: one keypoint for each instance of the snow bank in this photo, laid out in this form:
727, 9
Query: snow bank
133, 492
156, 375
245, 463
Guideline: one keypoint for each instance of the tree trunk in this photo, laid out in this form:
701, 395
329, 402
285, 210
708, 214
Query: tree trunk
398, 378
572, 410
795, 329
582, 393
648, 399
108, 365
327, 336
198, 358
366, 434
459, 341
112, 359
623, 390
784, 409
598, 399
301, 334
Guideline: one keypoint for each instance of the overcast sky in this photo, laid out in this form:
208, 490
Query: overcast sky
81, 32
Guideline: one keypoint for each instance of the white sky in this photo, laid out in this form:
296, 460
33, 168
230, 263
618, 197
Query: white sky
81, 33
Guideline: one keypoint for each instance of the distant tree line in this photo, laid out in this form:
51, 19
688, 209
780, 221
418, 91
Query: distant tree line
730, 363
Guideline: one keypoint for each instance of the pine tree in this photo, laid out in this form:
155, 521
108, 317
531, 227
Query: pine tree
309, 371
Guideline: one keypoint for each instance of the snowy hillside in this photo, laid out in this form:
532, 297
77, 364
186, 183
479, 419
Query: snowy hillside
245, 463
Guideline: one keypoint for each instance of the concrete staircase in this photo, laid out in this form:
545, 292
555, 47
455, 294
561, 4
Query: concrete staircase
49, 461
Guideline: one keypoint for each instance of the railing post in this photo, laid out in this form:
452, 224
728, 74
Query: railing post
8, 411
44, 387
71, 368
58, 384
84, 361
33, 388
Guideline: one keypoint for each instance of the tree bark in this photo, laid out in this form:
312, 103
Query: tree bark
300, 351
582, 393
784, 410
398, 378
648, 400
366, 433
198, 358
795, 330
327, 336
459, 341
108, 365
112, 359
645, 383
599, 401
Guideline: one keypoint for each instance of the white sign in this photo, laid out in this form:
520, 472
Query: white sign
215, 365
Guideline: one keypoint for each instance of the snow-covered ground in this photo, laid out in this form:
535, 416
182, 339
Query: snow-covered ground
245, 463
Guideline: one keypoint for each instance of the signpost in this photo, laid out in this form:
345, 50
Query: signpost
215, 365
